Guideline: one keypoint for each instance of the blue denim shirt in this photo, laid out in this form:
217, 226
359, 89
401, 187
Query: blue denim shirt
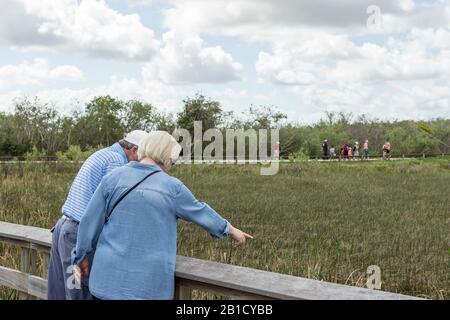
136, 250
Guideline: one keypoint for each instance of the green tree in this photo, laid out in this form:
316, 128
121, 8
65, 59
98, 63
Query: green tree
12, 140
144, 116
40, 124
139, 116
202, 109
101, 124
263, 117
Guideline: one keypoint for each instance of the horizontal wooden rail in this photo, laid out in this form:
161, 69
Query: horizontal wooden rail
191, 274
32, 286
375, 155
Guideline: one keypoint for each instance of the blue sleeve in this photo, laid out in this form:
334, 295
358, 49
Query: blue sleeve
188, 208
113, 165
91, 225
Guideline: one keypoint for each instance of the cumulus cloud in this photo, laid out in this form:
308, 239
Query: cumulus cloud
405, 77
424, 99
7, 100
66, 73
185, 59
67, 99
284, 68
322, 51
317, 55
269, 20
422, 55
135, 3
90, 27
21, 28
36, 72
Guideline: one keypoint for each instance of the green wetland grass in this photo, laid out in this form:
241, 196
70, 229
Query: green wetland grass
324, 221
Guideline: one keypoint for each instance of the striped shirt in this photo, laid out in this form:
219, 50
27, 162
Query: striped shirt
88, 178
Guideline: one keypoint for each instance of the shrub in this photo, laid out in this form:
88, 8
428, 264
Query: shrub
74, 153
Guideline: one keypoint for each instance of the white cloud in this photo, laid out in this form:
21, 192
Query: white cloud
35, 73
229, 93
66, 73
407, 5
320, 56
282, 68
26, 32
184, 60
97, 30
135, 3
278, 21
7, 100
423, 54
66, 99
315, 54
90, 27
397, 100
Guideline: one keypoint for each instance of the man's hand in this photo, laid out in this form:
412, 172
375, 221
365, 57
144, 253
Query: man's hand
81, 271
238, 236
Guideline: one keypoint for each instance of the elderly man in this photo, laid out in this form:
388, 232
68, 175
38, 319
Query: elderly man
61, 285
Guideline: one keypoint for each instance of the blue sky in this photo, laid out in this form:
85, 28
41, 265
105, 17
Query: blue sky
303, 58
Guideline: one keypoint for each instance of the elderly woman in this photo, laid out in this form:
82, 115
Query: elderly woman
135, 239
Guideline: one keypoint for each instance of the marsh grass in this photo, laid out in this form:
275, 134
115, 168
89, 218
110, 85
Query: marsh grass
324, 221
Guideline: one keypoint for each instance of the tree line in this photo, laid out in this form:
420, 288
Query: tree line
38, 128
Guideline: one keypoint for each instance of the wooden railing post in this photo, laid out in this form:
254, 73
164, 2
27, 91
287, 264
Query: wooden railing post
33, 260
182, 292
45, 262
25, 267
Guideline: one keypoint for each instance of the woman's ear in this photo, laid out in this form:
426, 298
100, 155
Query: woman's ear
165, 165
168, 164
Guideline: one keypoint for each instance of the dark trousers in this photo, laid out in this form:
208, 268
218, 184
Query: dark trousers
61, 281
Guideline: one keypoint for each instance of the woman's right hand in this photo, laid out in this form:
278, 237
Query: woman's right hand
238, 236
81, 271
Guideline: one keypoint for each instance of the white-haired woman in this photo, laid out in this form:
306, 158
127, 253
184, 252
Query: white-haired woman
131, 224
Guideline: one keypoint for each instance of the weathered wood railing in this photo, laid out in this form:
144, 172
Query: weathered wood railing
191, 274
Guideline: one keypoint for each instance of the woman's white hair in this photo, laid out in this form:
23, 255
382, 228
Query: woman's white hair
161, 147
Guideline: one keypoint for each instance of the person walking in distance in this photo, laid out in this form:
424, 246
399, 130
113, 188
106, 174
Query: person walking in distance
346, 151
387, 150
356, 150
366, 149
325, 149
332, 152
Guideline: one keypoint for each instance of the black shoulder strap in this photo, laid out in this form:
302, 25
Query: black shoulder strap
123, 195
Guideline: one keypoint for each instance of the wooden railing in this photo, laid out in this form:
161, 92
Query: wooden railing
191, 274
374, 155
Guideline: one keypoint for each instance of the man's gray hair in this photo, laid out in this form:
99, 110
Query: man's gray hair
127, 145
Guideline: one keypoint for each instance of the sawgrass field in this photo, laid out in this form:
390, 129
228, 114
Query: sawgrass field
320, 220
